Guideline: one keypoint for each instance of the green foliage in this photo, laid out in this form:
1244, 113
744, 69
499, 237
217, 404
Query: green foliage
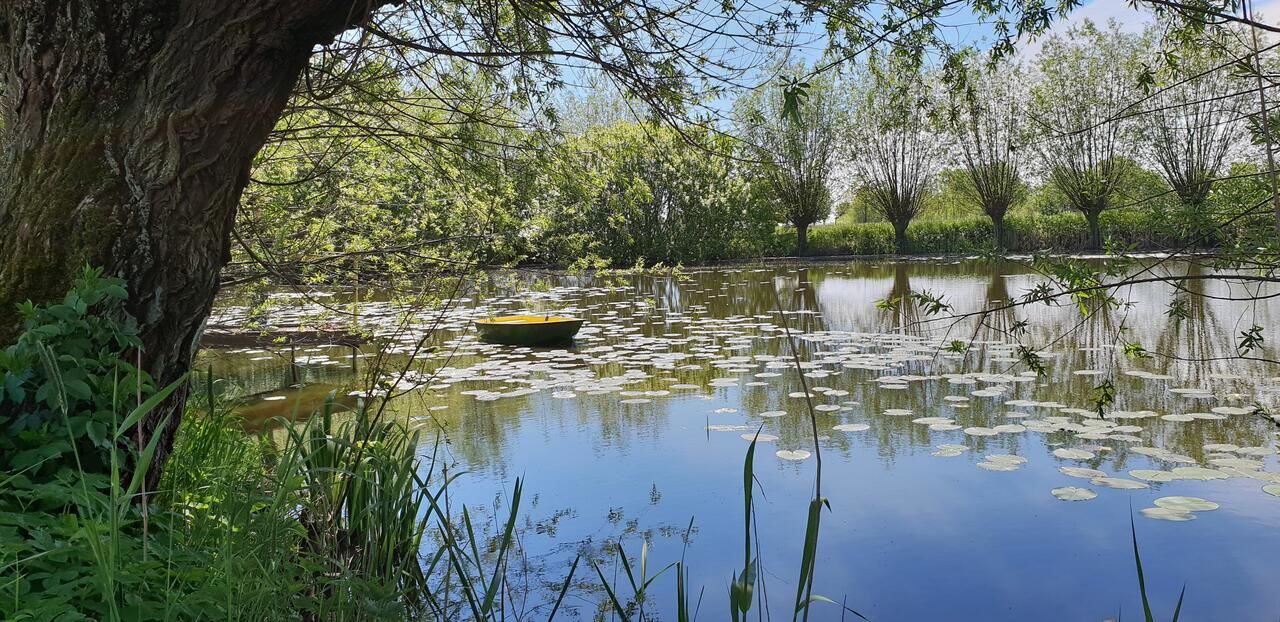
327, 527
1250, 340
450, 187
628, 193
1065, 232
64, 381
952, 198
1089, 74
68, 520
380, 181
790, 135
869, 239
1147, 615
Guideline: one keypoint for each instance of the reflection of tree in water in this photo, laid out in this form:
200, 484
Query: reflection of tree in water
1096, 335
901, 311
1192, 339
998, 323
799, 297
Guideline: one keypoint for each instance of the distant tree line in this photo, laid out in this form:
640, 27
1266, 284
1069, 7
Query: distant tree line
1102, 119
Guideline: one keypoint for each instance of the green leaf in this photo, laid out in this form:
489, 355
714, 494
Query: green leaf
143, 462
149, 405
1142, 581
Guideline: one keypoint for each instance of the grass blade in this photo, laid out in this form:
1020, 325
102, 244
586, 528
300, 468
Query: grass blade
742, 589
502, 549
809, 554
143, 464
142, 409
564, 589
1142, 582
613, 598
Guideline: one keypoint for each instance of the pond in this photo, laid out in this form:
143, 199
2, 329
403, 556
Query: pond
962, 486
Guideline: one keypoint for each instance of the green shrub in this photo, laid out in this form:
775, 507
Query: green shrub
70, 530
64, 380
327, 527
1148, 229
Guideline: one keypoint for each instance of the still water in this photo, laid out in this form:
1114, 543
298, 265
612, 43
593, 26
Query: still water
950, 470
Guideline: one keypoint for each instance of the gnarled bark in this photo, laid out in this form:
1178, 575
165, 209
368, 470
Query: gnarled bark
129, 130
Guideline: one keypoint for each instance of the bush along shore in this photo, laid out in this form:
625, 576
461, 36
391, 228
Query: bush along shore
1138, 230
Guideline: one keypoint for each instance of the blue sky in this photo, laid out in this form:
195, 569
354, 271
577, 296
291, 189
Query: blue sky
960, 28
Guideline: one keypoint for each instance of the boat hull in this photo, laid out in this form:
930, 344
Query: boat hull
528, 330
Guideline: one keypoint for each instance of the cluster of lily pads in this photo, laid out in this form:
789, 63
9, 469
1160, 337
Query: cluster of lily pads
630, 346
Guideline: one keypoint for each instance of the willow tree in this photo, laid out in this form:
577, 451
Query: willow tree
1195, 120
794, 152
897, 147
1085, 143
988, 118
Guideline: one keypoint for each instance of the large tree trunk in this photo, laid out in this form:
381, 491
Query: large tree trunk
900, 237
1093, 218
129, 131
802, 239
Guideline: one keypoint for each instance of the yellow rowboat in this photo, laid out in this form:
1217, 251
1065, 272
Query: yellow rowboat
528, 330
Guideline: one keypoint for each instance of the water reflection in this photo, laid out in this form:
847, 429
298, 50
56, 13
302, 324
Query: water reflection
685, 357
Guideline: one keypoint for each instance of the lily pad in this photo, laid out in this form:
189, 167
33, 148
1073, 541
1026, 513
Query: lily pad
1118, 482
1198, 473
851, 427
1159, 513
1186, 504
793, 454
1238, 463
1152, 475
1073, 493
997, 466
1082, 473
931, 420
1010, 428
1073, 454
949, 451
980, 431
